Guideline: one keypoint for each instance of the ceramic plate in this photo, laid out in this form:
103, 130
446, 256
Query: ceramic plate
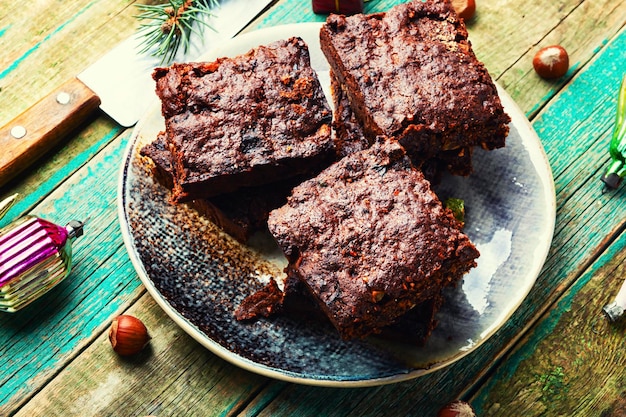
199, 275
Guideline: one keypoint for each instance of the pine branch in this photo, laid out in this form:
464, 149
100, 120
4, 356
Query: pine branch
168, 27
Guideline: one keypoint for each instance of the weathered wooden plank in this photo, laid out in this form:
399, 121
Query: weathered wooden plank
42, 50
572, 363
46, 175
173, 376
103, 281
522, 29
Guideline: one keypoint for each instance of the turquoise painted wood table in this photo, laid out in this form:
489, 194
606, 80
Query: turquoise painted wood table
556, 355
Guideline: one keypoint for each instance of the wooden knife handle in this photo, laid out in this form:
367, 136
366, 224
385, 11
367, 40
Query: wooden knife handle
33, 133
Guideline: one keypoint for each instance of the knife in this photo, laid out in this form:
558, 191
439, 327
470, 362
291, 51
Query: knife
120, 84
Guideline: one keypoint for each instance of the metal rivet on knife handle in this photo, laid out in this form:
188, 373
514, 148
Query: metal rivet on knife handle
18, 132
43, 126
63, 98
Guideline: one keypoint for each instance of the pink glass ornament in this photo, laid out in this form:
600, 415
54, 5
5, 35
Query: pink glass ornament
35, 255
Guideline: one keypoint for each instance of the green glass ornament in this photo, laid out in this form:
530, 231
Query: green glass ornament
617, 149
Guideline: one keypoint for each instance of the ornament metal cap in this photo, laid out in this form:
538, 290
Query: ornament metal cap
75, 228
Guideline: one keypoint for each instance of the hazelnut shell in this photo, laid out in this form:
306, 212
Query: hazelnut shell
457, 409
551, 62
128, 335
464, 8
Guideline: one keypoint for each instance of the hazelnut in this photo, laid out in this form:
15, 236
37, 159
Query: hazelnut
128, 335
457, 409
464, 8
551, 62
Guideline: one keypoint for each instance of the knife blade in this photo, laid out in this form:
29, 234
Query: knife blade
119, 83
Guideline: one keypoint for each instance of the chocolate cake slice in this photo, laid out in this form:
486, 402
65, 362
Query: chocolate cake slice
411, 74
244, 121
370, 239
240, 213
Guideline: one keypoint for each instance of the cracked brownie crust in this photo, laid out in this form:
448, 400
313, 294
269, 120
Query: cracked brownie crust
244, 121
411, 74
370, 239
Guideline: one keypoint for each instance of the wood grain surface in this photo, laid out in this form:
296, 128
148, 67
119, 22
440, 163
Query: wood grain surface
556, 356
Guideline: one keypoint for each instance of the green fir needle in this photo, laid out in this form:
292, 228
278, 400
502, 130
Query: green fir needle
167, 27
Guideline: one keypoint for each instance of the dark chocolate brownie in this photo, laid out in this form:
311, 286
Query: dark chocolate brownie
244, 121
240, 213
349, 137
414, 327
159, 153
411, 74
293, 300
370, 239
263, 303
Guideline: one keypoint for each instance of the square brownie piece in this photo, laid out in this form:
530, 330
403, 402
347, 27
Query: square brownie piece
411, 74
370, 239
244, 121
